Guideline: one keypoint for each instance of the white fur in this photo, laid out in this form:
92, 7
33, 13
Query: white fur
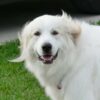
76, 69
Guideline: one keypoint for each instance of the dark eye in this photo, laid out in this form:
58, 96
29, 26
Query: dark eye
54, 33
37, 33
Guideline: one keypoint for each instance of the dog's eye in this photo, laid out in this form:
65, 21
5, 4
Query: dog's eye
37, 33
54, 33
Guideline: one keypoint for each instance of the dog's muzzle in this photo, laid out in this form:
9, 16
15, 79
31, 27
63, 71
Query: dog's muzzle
47, 48
48, 58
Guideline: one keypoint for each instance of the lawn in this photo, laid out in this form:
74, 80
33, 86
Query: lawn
16, 83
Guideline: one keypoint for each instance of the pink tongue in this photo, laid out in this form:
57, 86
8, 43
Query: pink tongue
47, 57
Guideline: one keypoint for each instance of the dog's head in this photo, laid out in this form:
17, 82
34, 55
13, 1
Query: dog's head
47, 38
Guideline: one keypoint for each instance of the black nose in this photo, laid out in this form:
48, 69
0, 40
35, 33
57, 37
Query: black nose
47, 48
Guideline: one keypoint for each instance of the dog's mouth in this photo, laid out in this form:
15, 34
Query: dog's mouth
48, 58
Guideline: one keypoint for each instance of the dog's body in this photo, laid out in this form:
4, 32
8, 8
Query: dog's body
64, 55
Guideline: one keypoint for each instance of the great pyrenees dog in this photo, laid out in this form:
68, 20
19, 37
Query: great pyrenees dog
64, 55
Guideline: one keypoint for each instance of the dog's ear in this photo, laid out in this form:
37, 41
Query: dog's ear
23, 39
73, 26
75, 29
22, 51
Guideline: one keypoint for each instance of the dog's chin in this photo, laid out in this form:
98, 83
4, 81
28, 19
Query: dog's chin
48, 58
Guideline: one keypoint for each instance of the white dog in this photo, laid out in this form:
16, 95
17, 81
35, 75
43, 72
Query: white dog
64, 55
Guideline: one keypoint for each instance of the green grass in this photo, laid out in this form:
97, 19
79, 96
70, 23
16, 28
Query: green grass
16, 83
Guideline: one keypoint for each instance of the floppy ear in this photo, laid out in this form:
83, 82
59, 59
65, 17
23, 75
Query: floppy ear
22, 54
23, 38
72, 25
75, 29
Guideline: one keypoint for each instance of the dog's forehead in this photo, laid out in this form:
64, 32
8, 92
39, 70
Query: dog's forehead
48, 21
48, 18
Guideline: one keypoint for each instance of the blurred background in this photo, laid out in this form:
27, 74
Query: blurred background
15, 13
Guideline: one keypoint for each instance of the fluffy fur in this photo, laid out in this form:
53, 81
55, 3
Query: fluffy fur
75, 73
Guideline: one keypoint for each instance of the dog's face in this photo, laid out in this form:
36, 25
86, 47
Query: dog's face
48, 38
46, 46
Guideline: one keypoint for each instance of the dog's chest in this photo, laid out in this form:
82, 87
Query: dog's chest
54, 82
59, 87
